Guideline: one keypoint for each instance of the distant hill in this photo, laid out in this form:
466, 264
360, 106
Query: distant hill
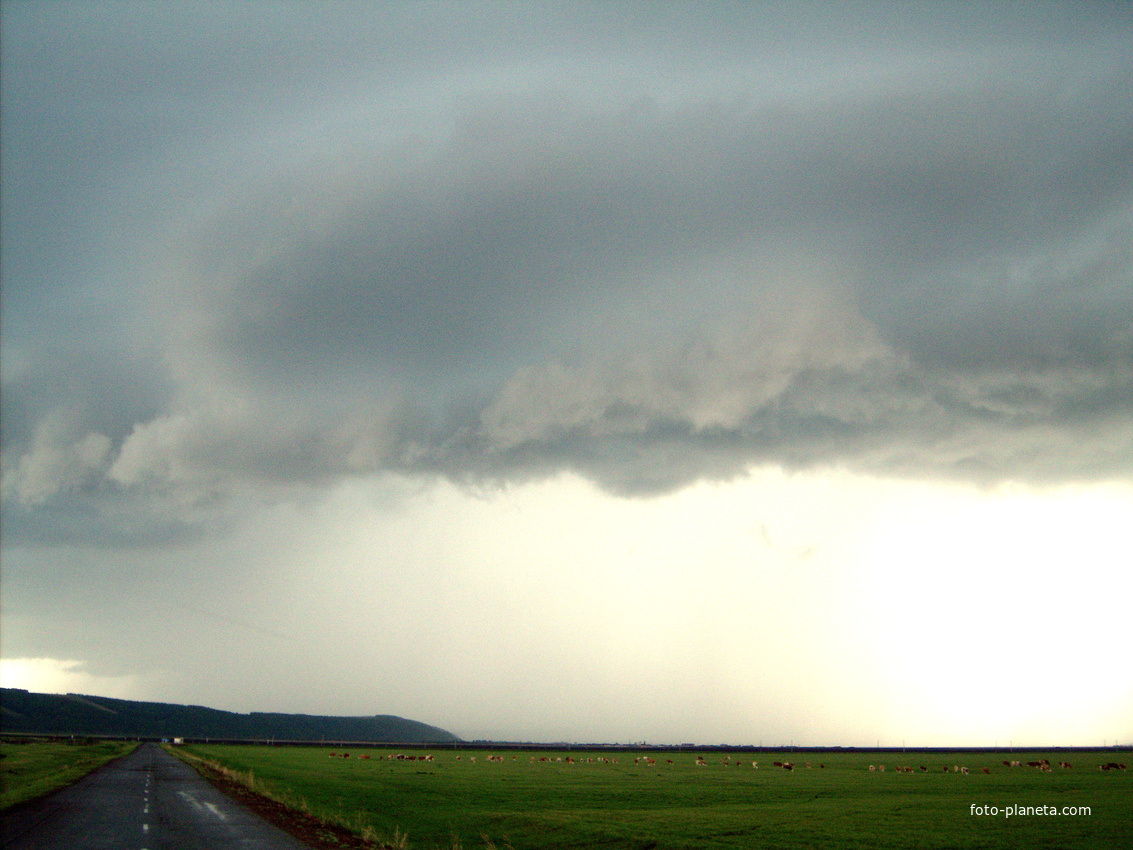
77, 714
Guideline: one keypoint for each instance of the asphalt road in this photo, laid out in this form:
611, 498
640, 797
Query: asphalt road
145, 801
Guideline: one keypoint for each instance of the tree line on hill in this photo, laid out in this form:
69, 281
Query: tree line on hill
22, 712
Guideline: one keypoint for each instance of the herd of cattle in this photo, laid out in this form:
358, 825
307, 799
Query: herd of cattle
728, 761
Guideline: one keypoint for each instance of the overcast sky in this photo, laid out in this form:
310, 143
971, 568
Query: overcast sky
714, 372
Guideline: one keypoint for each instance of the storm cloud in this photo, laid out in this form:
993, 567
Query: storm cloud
910, 257
275, 274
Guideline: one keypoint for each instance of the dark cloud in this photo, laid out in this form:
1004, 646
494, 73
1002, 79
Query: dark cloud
778, 237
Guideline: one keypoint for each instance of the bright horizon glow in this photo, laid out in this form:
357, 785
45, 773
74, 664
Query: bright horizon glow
65, 676
1009, 623
808, 608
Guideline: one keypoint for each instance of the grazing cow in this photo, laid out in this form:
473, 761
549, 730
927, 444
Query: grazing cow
755, 764
778, 764
1065, 765
987, 770
873, 768
701, 763
924, 769
964, 771
881, 768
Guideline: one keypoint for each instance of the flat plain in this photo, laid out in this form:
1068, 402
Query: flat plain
542, 798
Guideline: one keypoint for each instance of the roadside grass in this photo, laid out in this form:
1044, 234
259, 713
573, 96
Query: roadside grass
30, 769
518, 803
352, 821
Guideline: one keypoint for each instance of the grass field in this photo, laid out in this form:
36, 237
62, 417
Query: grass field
526, 802
30, 769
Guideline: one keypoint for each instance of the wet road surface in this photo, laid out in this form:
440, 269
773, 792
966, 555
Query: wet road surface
148, 800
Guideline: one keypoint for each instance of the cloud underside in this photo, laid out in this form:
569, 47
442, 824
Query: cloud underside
816, 389
931, 280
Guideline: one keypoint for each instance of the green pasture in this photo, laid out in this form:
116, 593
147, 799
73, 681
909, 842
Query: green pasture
455, 801
30, 769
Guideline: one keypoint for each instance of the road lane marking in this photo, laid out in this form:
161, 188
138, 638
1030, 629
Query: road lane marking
190, 798
198, 805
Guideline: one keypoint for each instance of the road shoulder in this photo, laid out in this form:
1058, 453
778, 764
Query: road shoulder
310, 830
